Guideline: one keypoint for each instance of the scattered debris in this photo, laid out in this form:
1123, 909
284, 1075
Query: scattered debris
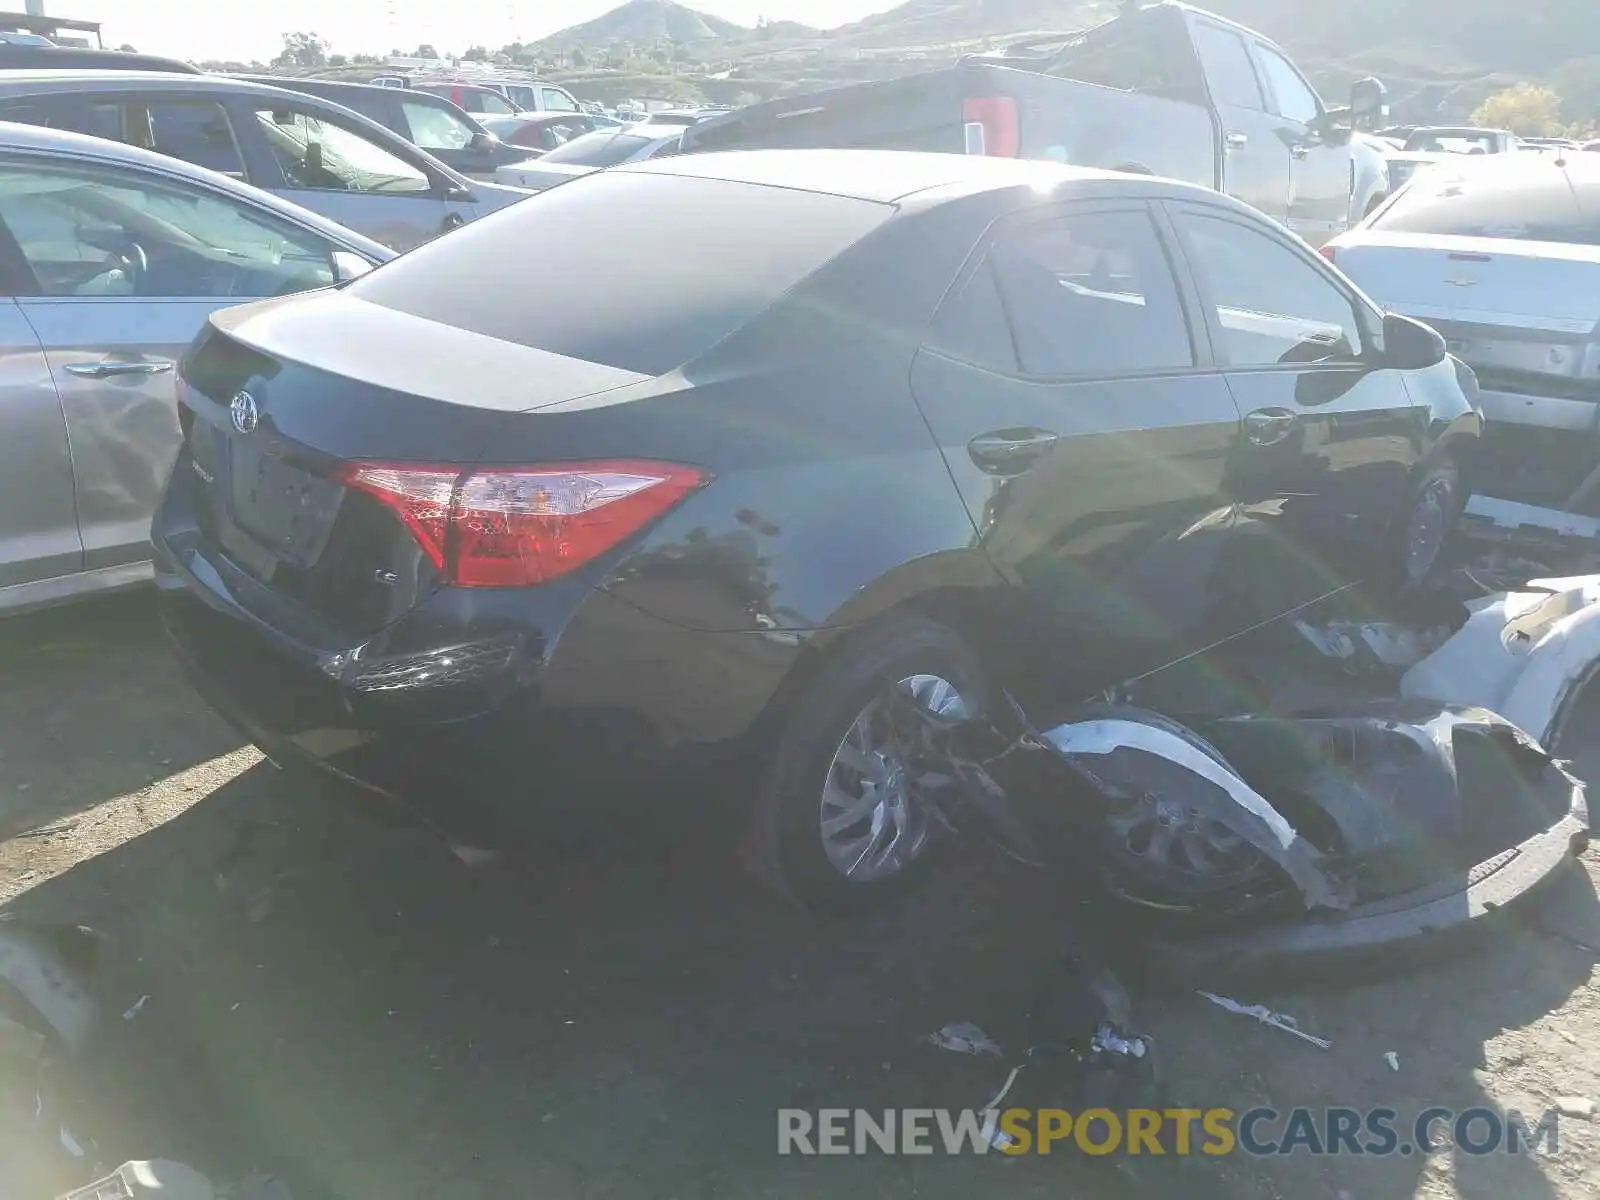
48, 830
1367, 647
1522, 654
1266, 1016
964, 1038
258, 906
473, 856
1575, 1106
18, 1041
135, 1008
1393, 1059
158, 1177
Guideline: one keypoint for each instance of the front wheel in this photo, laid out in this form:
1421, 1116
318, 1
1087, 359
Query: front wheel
837, 825
1433, 511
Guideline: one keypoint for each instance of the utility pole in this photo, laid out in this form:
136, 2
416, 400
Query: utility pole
34, 8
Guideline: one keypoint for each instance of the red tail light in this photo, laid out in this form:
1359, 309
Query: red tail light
991, 124
518, 526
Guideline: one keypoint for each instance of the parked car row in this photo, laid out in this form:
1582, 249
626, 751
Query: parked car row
864, 415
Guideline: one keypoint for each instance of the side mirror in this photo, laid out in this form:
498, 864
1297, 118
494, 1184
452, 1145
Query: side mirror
1410, 345
484, 143
347, 265
1369, 101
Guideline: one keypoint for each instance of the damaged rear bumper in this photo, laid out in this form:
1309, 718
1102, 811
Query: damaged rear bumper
1402, 923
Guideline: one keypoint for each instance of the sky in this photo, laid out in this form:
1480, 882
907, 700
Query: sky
247, 29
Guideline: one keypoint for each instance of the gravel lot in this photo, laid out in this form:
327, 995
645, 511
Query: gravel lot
336, 997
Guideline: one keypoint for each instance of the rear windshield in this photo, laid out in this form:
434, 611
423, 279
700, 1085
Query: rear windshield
603, 148
578, 271
1527, 201
1439, 141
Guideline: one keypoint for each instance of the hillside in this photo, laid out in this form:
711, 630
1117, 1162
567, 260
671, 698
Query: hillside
1439, 57
642, 22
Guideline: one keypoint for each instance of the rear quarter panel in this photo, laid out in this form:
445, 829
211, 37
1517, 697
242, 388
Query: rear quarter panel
831, 501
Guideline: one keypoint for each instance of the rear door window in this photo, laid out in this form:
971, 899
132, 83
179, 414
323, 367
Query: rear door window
1228, 68
1092, 294
1292, 96
197, 131
52, 112
555, 100
631, 297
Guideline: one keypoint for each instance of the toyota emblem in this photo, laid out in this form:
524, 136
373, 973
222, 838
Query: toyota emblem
244, 413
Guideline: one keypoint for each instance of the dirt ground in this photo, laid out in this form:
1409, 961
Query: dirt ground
335, 997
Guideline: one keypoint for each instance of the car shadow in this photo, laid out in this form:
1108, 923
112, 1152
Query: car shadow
94, 707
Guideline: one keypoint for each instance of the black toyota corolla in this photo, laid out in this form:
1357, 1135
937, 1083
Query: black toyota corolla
694, 456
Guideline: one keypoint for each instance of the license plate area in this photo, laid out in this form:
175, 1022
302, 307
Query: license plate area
288, 510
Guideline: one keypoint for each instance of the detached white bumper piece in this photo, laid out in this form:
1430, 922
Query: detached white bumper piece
1523, 654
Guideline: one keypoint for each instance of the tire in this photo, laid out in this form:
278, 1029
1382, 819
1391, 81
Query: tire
1419, 537
786, 848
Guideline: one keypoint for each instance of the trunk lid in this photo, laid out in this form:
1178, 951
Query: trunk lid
279, 398
1524, 315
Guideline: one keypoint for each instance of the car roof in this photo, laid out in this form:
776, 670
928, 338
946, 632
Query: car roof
1460, 130
30, 57
92, 150
889, 176
35, 82
534, 118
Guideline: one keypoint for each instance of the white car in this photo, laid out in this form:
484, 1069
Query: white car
593, 152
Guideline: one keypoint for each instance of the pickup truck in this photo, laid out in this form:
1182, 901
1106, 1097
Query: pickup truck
1161, 90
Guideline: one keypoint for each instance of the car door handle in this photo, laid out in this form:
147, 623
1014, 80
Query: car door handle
1234, 141
1006, 451
1266, 426
108, 367
1299, 150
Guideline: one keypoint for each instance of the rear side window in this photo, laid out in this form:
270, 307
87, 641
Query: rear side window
1229, 71
1092, 294
644, 296
971, 326
1540, 203
555, 100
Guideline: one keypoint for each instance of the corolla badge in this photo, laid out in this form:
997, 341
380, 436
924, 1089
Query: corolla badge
244, 412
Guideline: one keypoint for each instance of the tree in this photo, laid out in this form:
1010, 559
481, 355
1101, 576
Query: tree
477, 54
304, 50
1530, 109
1578, 81
127, 48
426, 50
338, 60
579, 58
